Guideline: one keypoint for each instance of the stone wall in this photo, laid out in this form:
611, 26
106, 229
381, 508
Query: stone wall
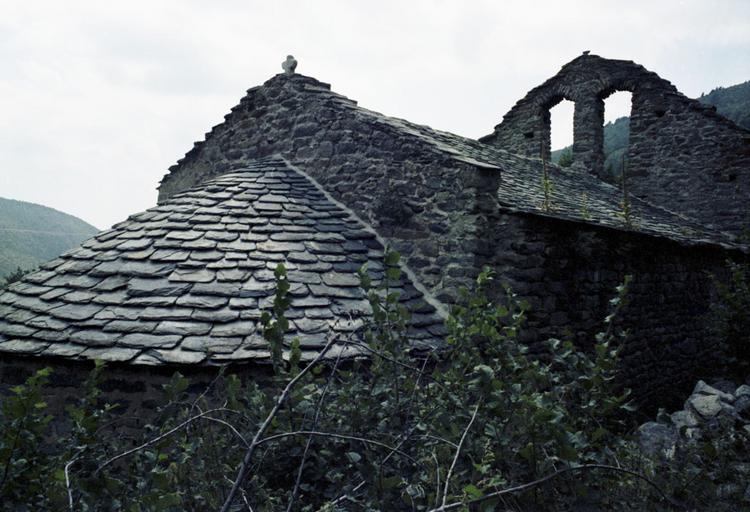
568, 273
137, 391
682, 154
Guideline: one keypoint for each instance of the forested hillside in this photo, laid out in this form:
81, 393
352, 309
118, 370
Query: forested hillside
732, 102
31, 234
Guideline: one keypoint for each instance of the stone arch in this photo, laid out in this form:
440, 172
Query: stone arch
586, 81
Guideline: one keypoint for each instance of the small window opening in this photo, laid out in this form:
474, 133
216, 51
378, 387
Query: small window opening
561, 133
617, 109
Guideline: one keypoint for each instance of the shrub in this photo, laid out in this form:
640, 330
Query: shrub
477, 425
731, 314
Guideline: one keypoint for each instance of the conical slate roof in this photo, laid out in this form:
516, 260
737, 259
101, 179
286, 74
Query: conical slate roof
185, 282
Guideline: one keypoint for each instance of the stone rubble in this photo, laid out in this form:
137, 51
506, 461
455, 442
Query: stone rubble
707, 410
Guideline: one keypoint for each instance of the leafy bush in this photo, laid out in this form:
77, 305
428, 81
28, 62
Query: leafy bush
477, 425
731, 313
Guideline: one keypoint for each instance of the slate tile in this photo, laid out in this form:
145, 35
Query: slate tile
340, 279
128, 326
23, 346
139, 287
155, 300
232, 275
217, 289
73, 281
139, 340
117, 313
211, 345
185, 328
333, 291
238, 328
94, 338
19, 316
135, 244
76, 266
114, 298
192, 275
318, 313
165, 313
202, 301
75, 312
14, 330
110, 354
55, 336
223, 236
216, 315
139, 255
255, 288
170, 255
243, 303
297, 276
302, 257
131, 268
237, 246
273, 246
46, 322
64, 350
178, 356
39, 277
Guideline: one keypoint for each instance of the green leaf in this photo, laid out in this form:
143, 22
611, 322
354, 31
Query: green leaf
392, 258
473, 492
353, 457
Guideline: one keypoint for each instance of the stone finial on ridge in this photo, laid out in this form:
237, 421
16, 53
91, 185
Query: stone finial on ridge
289, 65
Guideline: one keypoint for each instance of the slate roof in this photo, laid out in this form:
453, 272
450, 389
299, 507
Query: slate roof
575, 195
185, 282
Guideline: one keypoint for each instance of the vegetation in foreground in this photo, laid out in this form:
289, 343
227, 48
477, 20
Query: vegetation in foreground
481, 427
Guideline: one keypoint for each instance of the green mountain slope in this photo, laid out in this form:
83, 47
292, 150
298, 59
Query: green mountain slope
31, 234
731, 102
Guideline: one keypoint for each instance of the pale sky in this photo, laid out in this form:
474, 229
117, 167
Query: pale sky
99, 98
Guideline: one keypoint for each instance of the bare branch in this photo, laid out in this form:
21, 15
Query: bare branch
228, 425
244, 498
316, 416
245, 466
335, 436
458, 452
157, 438
585, 467
67, 482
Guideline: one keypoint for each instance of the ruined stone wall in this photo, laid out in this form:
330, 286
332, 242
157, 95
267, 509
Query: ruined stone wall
682, 154
568, 273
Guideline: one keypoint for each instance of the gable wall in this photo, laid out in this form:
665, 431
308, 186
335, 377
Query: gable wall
424, 207
682, 154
